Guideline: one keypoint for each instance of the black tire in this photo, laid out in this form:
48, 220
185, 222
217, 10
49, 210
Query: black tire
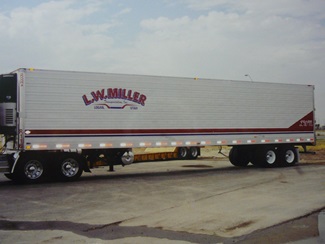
193, 152
69, 167
239, 157
288, 156
30, 168
266, 157
182, 153
9, 176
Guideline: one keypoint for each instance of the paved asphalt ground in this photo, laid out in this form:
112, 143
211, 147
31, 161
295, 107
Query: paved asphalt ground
199, 201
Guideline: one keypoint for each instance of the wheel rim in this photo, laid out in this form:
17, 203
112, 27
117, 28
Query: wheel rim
289, 156
70, 167
127, 158
270, 157
33, 169
194, 152
183, 152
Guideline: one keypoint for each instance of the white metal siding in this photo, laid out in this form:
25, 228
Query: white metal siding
53, 100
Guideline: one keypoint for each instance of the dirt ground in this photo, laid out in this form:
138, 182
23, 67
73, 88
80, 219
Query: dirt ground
313, 157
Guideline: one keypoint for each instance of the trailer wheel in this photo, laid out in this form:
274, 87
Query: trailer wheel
127, 158
193, 152
239, 157
70, 167
10, 176
30, 169
266, 157
288, 156
182, 153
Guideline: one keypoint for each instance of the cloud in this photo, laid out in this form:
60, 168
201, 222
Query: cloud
52, 34
230, 42
123, 12
208, 4
224, 39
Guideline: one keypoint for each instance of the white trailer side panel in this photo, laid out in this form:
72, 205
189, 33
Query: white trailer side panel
93, 110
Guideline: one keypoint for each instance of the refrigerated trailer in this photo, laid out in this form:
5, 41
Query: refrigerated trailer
59, 123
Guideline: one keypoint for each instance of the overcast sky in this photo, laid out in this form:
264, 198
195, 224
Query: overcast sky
271, 40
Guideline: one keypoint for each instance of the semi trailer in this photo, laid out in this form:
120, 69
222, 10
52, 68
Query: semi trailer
60, 123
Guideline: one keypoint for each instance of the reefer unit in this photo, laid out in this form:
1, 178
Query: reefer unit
62, 121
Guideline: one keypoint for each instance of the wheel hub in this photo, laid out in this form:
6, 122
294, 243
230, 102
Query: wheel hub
33, 169
289, 156
270, 157
70, 168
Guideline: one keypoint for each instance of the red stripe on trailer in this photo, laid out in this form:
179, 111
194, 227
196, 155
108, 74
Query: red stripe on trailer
306, 124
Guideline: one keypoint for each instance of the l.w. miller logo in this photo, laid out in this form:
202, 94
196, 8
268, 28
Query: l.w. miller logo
115, 98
